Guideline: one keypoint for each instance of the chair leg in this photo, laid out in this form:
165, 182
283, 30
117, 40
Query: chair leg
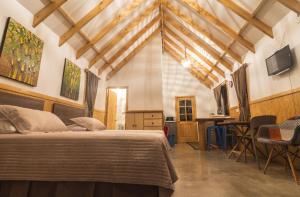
269, 159
266, 149
224, 132
208, 139
218, 137
292, 166
255, 152
245, 153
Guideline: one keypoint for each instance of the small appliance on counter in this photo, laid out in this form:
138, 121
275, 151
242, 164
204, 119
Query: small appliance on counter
170, 119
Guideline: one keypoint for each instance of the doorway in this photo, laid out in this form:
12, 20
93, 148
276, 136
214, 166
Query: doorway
116, 106
185, 118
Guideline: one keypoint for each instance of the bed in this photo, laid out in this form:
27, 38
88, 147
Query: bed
84, 164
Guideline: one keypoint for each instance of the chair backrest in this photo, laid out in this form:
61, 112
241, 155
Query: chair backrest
290, 130
258, 121
287, 133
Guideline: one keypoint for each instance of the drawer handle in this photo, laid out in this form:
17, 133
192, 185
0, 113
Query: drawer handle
152, 122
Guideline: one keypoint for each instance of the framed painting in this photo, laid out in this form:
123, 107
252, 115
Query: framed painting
21, 54
71, 80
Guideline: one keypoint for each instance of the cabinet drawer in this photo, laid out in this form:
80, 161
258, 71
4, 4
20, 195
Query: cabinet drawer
152, 128
152, 115
153, 122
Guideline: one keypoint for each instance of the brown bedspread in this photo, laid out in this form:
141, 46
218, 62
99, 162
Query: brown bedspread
133, 157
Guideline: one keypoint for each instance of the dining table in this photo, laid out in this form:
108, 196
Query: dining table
202, 122
243, 136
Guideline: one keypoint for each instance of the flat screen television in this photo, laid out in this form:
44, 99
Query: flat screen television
280, 61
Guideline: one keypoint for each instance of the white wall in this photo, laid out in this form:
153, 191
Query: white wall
287, 31
154, 80
52, 63
143, 77
177, 81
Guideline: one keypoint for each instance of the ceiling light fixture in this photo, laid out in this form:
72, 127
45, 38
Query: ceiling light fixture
185, 62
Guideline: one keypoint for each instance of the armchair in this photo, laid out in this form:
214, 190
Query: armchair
280, 137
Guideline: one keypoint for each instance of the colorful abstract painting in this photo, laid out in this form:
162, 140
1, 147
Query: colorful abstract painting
21, 54
71, 81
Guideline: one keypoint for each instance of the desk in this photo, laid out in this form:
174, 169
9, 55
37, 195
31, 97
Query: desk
202, 130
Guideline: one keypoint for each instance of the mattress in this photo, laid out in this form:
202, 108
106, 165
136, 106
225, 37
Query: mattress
133, 157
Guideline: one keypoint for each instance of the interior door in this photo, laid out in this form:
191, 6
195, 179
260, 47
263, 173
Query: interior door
185, 116
111, 110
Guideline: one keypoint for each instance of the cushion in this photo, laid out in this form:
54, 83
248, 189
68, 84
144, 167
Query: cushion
6, 127
27, 120
76, 127
91, 124
274, 134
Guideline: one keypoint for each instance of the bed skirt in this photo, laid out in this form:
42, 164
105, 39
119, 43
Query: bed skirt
78, 189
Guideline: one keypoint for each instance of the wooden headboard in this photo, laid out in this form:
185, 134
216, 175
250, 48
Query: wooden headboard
10, 95
7, 98
65, 112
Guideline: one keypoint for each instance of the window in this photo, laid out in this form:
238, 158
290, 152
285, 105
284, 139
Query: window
185, 106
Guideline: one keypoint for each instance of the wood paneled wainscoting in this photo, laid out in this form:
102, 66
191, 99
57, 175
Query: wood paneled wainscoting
48, 100
284, 105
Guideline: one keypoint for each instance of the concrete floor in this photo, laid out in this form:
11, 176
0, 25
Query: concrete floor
211, 174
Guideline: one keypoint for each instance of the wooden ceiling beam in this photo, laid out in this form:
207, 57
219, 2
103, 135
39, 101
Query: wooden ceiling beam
194, 6
193, 72
291, 4
121, 34
187, 19
41, 15
126, 47
201, 43
243, 28
83, 21
248, 17
162, 23
131, 55
195, 62
193, 50
120, 17
71, 22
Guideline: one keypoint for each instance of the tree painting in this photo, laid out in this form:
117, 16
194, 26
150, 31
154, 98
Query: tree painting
21, 54
71, 81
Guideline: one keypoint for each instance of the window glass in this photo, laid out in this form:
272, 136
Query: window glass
188, 103
185, 110
182, 110
182, 103
182, 118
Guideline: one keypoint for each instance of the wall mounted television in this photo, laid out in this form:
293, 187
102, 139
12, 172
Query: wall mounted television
280, 62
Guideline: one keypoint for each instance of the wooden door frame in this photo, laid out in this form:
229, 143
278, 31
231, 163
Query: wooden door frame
106, 99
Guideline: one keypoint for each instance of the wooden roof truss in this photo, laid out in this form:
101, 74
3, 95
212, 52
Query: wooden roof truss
168, 17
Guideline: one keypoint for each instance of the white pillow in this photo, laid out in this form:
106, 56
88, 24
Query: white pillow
91, 124
6, 126
76, 127
27, 120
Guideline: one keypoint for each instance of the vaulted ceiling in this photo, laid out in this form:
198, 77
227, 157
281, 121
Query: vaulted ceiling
212, 34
